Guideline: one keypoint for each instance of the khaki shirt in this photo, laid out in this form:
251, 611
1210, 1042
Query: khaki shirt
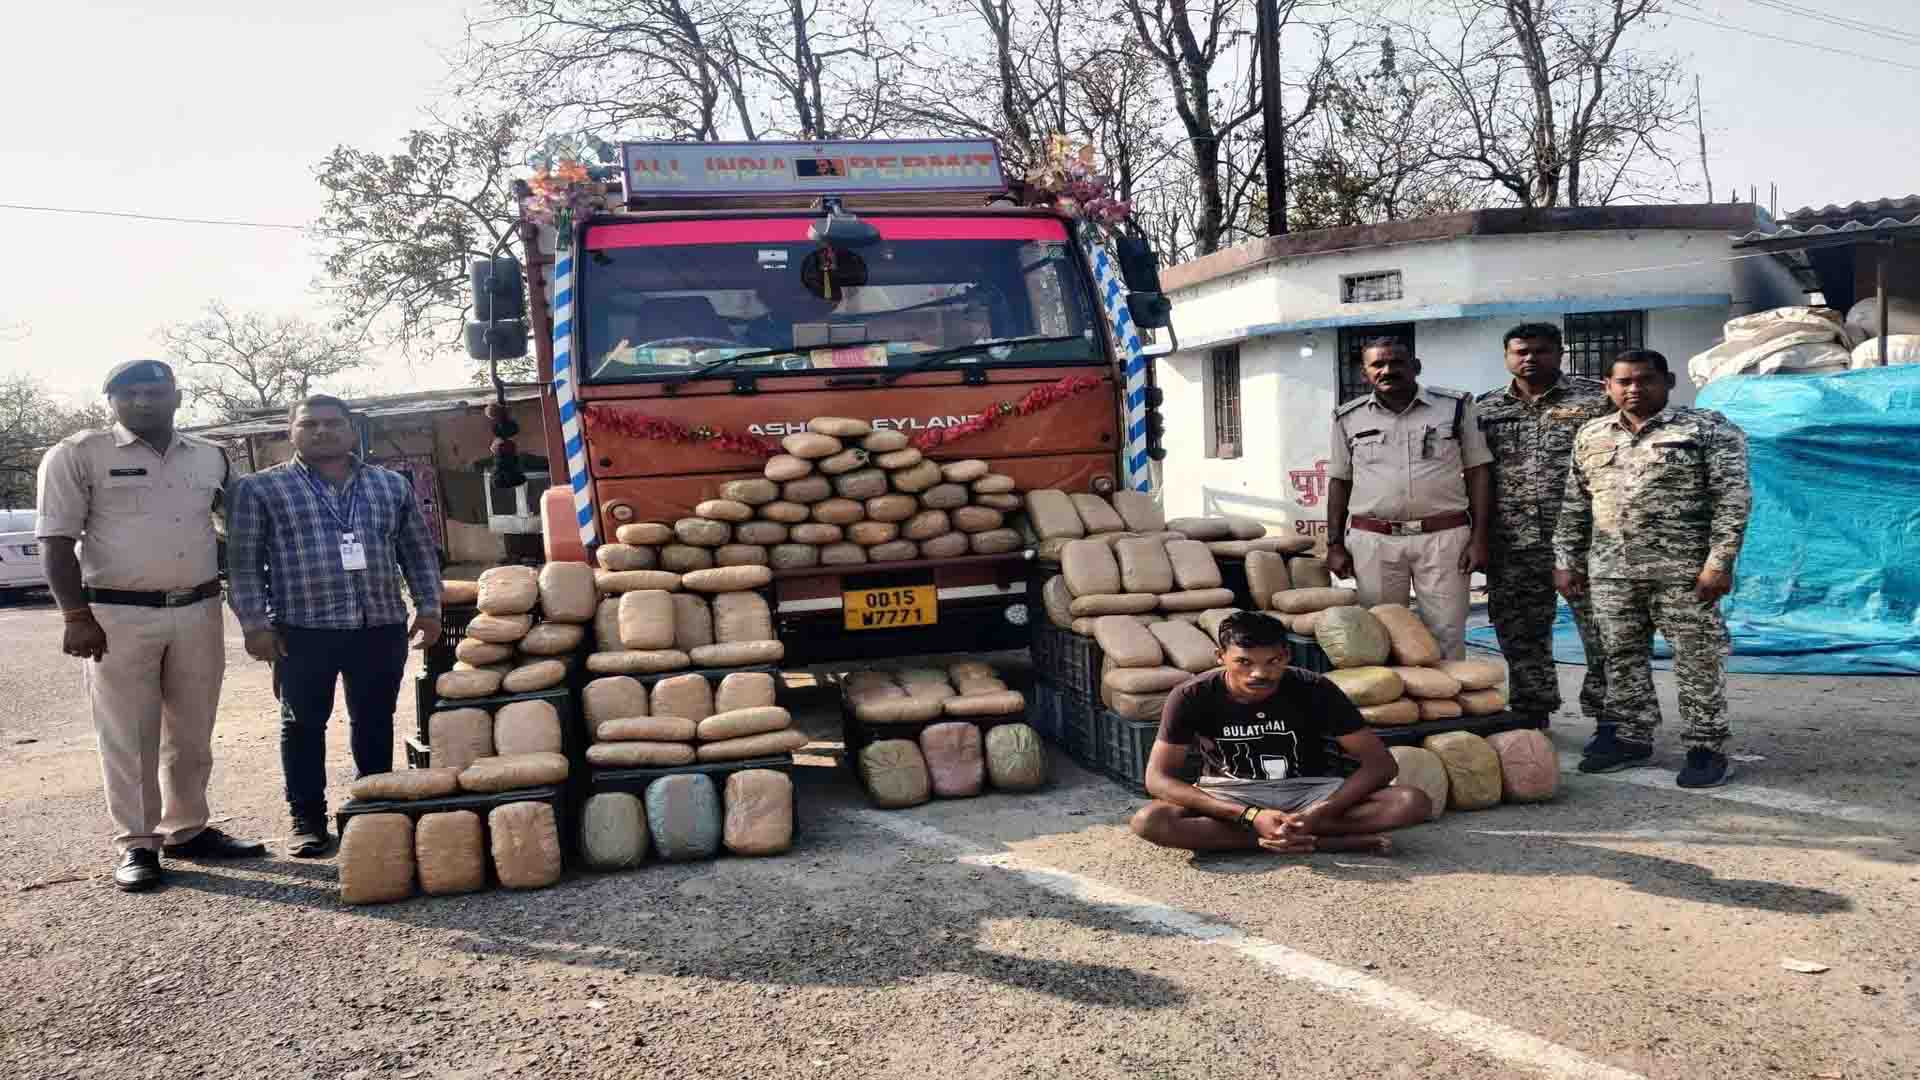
1403, 466
1532, 445
144, 519
1660, 504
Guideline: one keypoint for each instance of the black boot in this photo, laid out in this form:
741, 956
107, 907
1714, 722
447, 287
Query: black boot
139, 870
308, 840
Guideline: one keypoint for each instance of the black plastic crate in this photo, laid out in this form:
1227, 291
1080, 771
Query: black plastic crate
1134, 746
418, 756
1072, 719
453, 626
1069, 659
1043, 713
482, 804
1307, 655
1413, 734
1233, 575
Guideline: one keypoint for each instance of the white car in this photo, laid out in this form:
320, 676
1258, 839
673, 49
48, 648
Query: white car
20, 568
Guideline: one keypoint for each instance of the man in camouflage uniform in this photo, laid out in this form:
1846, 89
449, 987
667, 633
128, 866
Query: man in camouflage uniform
1529, 425
1654, 515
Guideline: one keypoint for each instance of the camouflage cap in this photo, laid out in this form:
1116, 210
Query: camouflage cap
133, 371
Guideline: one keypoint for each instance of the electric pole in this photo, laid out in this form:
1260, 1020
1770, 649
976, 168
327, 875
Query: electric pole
1267, 37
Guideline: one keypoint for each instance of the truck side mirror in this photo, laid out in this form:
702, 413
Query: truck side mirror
498, 330
499, 293
1139, 264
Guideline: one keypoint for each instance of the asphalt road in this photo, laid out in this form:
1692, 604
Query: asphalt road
1626, 929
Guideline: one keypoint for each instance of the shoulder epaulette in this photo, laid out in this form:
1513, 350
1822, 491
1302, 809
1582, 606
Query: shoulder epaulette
1343, 410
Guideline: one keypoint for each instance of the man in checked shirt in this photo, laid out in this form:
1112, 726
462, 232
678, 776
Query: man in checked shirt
317, 549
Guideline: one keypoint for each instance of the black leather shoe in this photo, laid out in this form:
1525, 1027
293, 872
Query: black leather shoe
308, 839
211, 843
139, 870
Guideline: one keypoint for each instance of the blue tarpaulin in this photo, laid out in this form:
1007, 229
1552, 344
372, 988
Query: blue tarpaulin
1828, 582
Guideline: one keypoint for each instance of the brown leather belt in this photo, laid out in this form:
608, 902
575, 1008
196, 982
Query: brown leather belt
1436, 523
169, 598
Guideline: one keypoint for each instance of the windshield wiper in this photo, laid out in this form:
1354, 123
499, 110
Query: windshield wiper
707, 369
941, 356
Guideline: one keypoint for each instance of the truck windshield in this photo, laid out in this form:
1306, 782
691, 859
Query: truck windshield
662, 299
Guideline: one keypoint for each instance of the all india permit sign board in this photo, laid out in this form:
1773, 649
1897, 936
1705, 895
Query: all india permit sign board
685, 169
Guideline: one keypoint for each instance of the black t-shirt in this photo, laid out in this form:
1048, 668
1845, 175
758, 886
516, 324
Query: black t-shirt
1277, 739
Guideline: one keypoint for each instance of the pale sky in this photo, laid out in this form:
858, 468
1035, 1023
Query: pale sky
217, 109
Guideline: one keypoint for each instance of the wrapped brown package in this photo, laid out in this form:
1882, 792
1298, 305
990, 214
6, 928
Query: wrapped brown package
646, 619
552, 639
766, 744
759, 812
526, 845
508, 590
635, 754
493, 774
376, 859
613, 831
406, 785
637, 661
456, 738
568, 593
526, 727
450, 853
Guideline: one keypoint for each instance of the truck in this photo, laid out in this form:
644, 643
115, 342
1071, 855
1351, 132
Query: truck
720, 295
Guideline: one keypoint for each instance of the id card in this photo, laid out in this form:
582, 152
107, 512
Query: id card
353, 554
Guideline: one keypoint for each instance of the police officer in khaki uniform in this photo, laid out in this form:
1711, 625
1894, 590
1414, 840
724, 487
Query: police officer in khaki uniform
126, 518
1410, 463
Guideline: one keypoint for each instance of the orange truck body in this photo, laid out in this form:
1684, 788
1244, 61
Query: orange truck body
1073, 444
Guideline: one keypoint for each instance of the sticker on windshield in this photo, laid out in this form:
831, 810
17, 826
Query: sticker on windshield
773, 258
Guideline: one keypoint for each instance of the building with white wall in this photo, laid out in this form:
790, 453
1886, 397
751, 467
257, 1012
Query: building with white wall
1269, 332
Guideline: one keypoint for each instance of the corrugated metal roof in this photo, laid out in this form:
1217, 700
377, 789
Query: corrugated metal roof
1814, 232
1876, 209
388, 407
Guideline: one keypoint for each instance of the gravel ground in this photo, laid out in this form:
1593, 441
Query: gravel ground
1642, 927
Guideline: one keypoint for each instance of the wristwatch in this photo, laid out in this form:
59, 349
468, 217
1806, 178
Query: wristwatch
1245, 820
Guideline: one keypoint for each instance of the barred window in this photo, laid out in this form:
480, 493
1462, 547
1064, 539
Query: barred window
1223, 392
1594, 338
1353, 380
1367, 288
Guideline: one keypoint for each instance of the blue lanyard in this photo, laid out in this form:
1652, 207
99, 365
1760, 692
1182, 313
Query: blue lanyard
326, 497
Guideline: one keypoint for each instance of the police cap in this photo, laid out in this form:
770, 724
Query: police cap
129, 372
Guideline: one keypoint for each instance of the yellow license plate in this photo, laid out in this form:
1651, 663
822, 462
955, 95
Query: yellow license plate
885, 609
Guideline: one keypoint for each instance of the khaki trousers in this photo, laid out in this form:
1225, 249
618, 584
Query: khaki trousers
1386, 567
154, 698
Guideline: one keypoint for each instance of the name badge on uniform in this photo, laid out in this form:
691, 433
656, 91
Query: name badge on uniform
353, 554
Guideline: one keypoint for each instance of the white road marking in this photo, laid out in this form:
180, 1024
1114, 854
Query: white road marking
1661, 779
1509, 1044
1686, 836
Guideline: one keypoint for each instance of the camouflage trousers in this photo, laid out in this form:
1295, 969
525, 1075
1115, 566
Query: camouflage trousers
1522, 604
1628, 612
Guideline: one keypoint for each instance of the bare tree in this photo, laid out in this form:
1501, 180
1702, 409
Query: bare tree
235, 364
31, 420
700, 70
1224, 154
1553, 102
1364, 154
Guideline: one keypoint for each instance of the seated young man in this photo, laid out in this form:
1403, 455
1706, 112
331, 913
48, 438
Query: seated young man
1262, 726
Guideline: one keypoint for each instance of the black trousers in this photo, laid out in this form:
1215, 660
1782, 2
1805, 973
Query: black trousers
371, 663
